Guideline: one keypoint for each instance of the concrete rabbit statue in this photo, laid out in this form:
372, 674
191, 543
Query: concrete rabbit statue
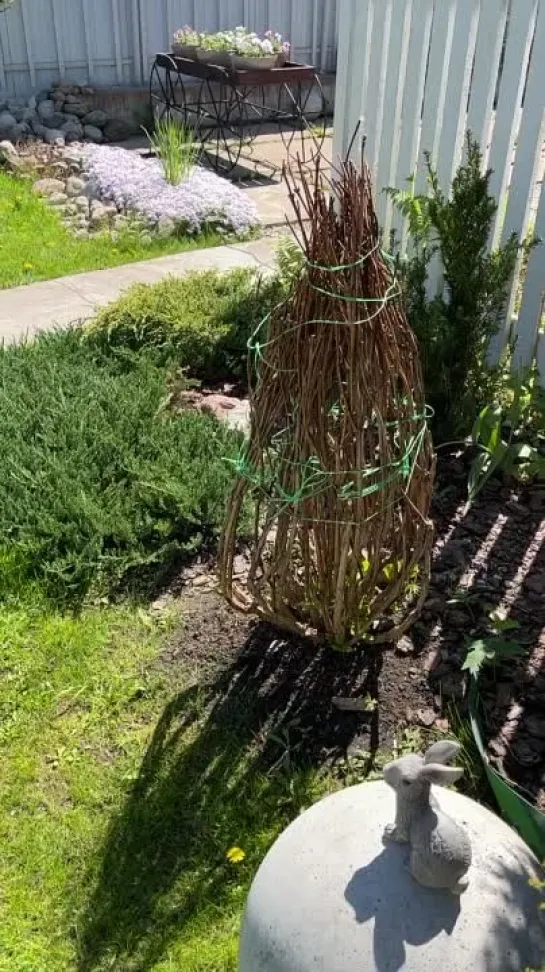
440, 848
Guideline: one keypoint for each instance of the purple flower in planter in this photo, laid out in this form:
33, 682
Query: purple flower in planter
202, 200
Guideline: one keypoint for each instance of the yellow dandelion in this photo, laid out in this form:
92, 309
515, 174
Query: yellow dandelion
235, 855
28, 266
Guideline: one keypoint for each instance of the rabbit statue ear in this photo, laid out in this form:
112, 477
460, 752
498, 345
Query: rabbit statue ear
441, 775
442, 752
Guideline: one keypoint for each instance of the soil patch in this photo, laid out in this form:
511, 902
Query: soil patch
489, 562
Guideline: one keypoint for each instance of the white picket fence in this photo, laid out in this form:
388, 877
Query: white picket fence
113, 41
419, 74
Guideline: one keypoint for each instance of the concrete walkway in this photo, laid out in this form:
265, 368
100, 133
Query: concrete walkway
24, 311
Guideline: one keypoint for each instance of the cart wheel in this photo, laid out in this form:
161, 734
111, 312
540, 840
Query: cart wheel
220, 111
302, 135
167, 96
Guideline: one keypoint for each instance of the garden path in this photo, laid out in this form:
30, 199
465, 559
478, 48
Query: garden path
24, 311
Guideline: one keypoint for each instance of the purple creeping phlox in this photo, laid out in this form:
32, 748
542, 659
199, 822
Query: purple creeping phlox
203, 200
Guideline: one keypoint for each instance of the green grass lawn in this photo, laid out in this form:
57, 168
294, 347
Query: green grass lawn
122, 791
34, 245
124, 780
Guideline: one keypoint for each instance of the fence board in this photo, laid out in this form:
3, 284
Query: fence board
449, 142
114, 41
534, 288
420, 73
393, 98
517, 52
413, 95
485, 69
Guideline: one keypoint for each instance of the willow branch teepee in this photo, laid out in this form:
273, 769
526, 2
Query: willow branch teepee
339, 462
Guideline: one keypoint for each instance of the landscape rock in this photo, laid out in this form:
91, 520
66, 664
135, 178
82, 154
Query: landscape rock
79, 109
55, 120
7, 122
8, 150
46, 108
405, 646
57, 199
93, 134
97, 118
47, 187
52, 135
118, 130
425, 717
75, 186
41, 97
82, 204
165, 227
21, 132
38, 128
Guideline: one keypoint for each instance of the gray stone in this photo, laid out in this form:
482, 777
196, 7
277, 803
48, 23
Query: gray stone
75, 186
54, 135
42, 96
81, 234
72, 136
97, 117
92, 133
70, 209
146, 239
46, 109
72, 120
56, 120
82, 203
28, 114
59, 96
121, 221
21, 132
57, 199
38, 128
7, 121
32, 102
330, 896
165, 227
16, 104
87, 90
47, 187
118, 130
78, 108
8, 150
100, 213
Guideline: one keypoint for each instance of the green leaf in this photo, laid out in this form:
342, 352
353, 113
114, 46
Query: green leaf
487, 650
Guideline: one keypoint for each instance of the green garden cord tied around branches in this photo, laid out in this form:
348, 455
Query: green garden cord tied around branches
338, 464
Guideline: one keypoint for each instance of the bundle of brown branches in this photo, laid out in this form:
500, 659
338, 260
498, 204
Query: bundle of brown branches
339, 462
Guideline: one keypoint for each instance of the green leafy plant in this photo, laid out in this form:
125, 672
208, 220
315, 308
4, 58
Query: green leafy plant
175, 147
455, 326
200, 322
100, 489
510, 433
488, 651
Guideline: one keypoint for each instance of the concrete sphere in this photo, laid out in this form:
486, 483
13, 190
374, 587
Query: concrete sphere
331, 897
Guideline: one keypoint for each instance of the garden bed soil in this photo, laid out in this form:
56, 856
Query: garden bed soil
488, 558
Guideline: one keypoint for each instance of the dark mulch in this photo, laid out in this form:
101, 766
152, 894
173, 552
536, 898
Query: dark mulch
486, 558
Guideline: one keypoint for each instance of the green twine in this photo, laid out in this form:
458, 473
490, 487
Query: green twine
315, 480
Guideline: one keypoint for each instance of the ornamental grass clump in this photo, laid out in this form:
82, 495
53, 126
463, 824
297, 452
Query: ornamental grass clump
339, 460
175, 148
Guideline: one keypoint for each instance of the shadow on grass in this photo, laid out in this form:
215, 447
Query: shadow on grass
230, 763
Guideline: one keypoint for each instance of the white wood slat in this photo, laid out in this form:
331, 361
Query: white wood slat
449, 151
534, 287
393, 100
508, 111
485, 70
58, 37
436, 85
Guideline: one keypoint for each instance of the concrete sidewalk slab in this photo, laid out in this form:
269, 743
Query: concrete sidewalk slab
25, 311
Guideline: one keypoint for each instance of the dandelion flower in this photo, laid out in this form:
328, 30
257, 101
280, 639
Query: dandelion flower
235, 855
28, 266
